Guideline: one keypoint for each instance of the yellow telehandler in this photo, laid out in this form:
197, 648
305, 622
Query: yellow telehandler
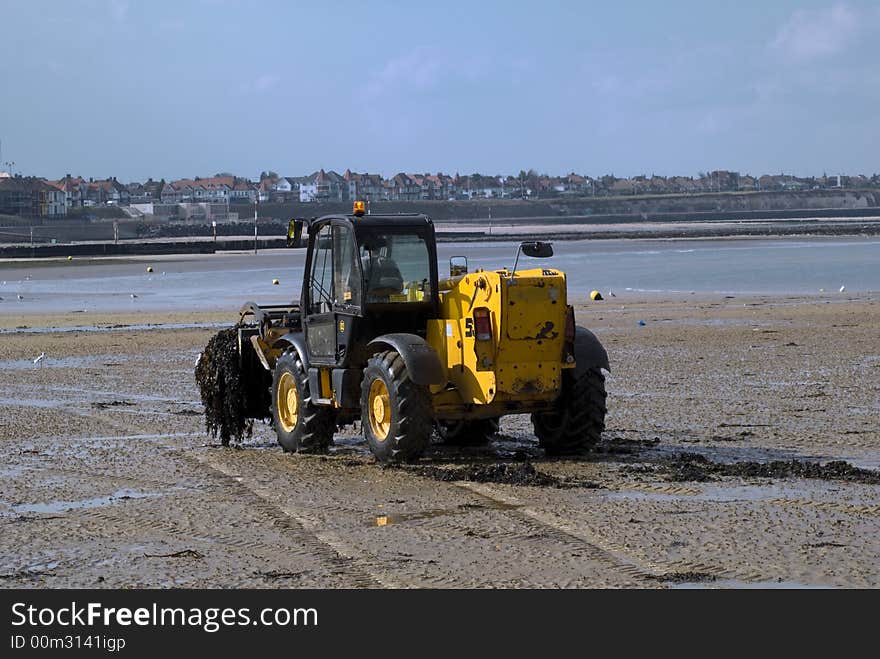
378, 335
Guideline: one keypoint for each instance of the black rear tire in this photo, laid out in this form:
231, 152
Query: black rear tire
397, 427
477, 432
577, 422
301, 426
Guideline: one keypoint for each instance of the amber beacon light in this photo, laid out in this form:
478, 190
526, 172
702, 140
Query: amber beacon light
359, 208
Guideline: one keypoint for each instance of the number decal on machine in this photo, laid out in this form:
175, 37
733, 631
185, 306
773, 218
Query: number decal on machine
469, 327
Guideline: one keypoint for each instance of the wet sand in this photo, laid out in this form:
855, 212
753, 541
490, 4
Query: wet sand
108, 478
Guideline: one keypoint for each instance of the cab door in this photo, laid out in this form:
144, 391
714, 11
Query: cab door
347, 288
334, 294
319, 325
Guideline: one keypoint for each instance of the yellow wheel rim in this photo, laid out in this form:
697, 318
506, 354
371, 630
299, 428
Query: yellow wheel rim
288, 402
380, 410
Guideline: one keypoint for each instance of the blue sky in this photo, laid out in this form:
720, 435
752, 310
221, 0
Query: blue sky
194, 87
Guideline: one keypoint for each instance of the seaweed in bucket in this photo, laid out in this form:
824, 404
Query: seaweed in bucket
233, 397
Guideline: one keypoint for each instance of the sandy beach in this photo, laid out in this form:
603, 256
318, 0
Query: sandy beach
720, 408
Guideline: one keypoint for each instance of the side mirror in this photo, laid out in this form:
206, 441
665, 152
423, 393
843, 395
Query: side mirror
458, 265
537, 250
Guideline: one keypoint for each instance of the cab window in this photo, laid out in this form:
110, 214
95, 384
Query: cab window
396, 268
346, 277
321, 286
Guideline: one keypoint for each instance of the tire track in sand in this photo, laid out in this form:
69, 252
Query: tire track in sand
326, 543
614, 556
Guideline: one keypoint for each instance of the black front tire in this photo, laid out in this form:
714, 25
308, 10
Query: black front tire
300, 425
577, 422
398, 427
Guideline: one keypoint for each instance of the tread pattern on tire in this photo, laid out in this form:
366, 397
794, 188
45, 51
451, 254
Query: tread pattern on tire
411, 427
579, 418
316, 424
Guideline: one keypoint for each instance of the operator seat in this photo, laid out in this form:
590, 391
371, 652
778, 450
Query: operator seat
383, 278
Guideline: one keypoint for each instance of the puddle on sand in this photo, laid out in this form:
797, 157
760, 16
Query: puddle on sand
736, 583
398, 518
52, 446
718, 494
718, 322
728, 454
65, 506
818, 491
52, 362
28, 402
112, 328
36, 569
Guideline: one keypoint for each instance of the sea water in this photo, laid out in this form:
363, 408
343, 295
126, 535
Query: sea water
224, 281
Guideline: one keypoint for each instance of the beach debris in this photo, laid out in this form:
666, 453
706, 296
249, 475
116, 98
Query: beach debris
70, 258
611, 293
39, 359
642, 323
278, 575
275, 282
149, 268
133, 296
842, 289
198, 357
20, 296
682, 577
596, 295
103, 405
183, 553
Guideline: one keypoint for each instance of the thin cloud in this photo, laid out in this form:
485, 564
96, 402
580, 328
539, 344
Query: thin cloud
119, 10
261, 83
419, 69
816, 34
424, 69
266, 81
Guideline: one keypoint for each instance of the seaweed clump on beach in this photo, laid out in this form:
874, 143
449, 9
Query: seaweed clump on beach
233, 396
695, 467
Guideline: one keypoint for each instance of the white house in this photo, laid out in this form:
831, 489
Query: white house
308, 191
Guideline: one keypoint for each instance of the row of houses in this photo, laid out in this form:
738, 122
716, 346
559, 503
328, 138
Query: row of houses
331, 186
723, 181
29, 195
79, 192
